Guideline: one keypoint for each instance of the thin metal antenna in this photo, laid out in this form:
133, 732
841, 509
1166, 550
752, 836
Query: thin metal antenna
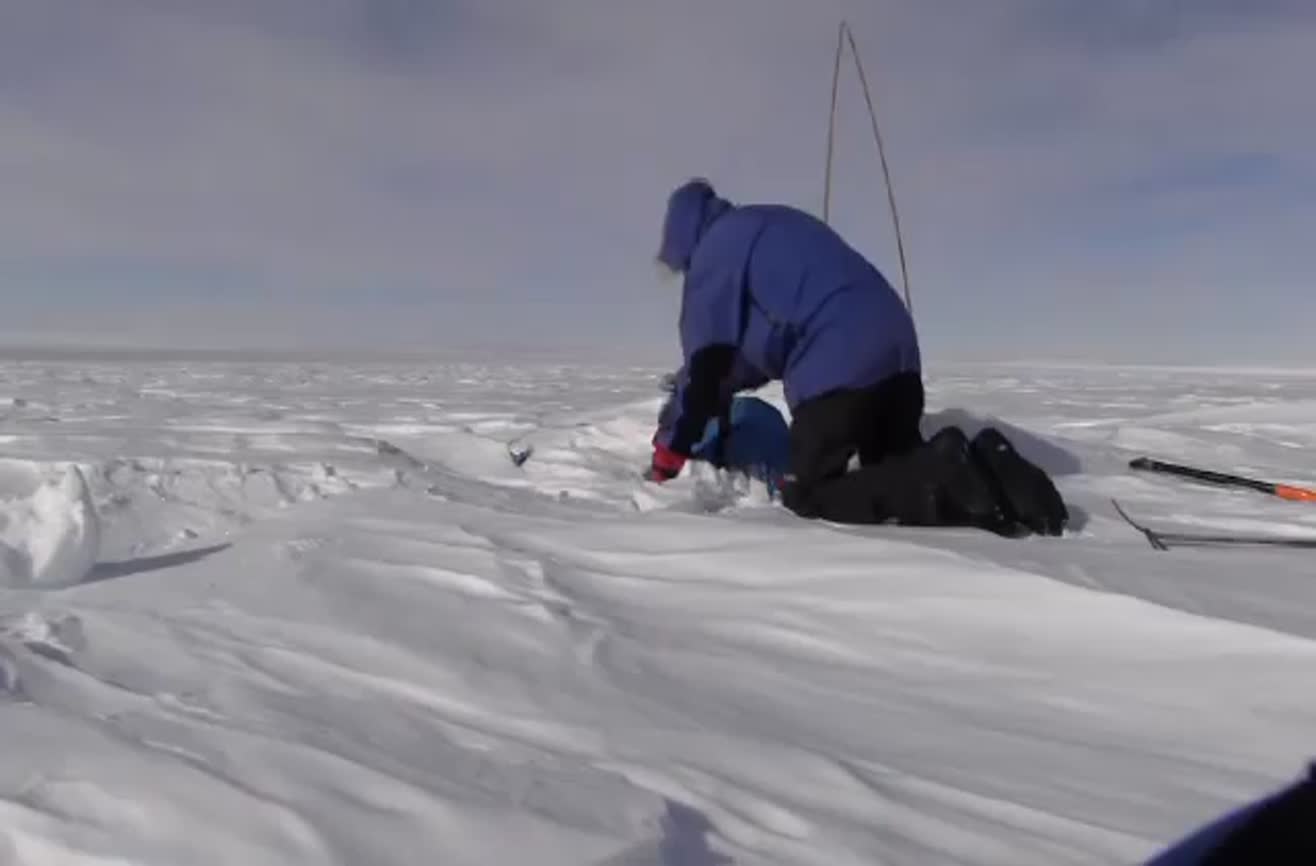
846, 35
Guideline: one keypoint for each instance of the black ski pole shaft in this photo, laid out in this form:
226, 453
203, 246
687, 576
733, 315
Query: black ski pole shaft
1208, 476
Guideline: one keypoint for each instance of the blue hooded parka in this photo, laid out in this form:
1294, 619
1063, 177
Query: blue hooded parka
773, 293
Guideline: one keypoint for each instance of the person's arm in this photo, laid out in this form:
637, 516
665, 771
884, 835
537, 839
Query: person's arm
710, 333
663, 467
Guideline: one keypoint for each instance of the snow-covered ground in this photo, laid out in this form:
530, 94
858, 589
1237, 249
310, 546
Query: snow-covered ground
312, 614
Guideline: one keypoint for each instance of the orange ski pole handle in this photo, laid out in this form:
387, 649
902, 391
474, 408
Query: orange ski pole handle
1295, 494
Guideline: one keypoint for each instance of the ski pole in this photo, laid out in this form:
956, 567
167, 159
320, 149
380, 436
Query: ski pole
1283, 491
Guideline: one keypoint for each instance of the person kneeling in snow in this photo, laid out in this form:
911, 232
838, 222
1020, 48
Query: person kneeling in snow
772, 293
752, 438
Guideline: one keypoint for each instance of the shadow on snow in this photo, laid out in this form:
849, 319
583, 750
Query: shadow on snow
125, 568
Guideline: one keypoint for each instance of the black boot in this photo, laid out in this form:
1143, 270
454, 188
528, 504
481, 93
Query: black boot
966, 495
1025, 491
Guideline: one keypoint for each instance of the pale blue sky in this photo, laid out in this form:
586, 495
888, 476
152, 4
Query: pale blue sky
1117, 180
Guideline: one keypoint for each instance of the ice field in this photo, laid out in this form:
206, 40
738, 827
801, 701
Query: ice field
311, 613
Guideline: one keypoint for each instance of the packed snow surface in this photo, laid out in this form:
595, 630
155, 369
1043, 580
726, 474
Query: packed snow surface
313, 614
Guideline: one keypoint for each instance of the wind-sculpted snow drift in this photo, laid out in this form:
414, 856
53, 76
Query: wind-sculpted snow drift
329, 621
49, 528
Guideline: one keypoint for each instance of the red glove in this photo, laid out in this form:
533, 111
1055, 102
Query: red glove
666, 465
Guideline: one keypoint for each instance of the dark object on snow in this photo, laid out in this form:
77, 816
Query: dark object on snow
971, 495
1207, 476
1277, 830
1164, 540
1024, 490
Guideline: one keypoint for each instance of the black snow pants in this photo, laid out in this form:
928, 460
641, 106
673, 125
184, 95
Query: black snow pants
944, 481
880, 424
